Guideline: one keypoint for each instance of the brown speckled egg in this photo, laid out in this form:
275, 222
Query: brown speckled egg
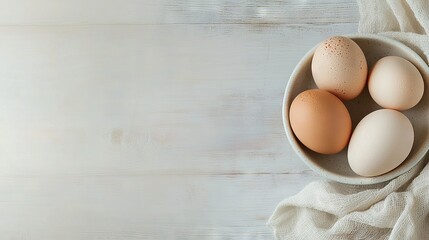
320, 121
339, 66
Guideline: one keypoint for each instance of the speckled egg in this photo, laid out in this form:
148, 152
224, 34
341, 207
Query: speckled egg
339, 66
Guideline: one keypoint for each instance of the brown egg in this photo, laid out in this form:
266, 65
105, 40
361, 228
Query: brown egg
320, 121
339, 66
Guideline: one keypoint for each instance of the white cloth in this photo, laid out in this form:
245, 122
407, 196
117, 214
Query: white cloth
398, 209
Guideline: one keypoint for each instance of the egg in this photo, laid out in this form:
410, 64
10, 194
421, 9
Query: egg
380, 142
339, 66
395, 83
320, 121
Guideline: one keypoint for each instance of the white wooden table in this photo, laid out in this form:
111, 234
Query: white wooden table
153, 119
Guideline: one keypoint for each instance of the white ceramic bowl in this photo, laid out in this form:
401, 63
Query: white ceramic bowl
336, 167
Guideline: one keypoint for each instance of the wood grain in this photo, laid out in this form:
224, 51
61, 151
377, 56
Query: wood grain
165, 99
150, 119
78, 12
143, 207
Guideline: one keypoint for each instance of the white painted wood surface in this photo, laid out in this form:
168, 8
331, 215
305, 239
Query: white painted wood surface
150, 119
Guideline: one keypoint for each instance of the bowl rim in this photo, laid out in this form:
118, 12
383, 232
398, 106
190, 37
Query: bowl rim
296, 145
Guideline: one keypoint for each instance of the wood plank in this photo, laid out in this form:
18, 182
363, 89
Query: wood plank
66, 12
263, 12
142, 207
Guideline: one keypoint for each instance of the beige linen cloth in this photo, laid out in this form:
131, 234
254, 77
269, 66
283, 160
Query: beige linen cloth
398, 209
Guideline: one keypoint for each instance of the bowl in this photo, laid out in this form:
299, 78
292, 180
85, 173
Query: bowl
336, 166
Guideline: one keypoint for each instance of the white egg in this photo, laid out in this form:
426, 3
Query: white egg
395, 83
380, 142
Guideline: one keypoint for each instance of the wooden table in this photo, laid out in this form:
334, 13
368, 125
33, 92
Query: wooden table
153, 119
